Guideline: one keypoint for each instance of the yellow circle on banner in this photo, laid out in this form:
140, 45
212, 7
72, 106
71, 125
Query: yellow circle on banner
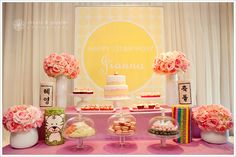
120, 47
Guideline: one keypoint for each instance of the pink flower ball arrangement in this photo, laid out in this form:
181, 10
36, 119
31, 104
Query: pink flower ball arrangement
22, 118
61, 64
213, 118
171, 62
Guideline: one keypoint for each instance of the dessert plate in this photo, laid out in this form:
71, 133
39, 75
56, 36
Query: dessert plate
97, 111
80, 95
133, 109
149, 98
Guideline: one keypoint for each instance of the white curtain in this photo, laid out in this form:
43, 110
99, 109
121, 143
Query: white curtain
31, 31
204, 31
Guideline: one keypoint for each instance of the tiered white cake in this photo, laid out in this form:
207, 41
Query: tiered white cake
116, 87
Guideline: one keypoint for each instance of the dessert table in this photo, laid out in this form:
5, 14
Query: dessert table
139, 143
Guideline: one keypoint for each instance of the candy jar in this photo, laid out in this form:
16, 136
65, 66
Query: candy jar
78, 128
122, 125
163, 128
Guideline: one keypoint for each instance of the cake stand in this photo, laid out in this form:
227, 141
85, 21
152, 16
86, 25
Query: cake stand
122, 138
116, 101
163, 138
119, 115
80, 143
80, 140
83, 100
150, 99
122, 118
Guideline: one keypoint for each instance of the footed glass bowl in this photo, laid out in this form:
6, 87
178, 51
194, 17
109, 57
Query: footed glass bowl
78, 128
163, 128
122, 125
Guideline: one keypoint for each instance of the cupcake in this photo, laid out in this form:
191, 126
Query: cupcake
140, 106
151, 106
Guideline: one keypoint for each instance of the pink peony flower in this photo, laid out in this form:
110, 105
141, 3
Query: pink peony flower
22, 118
74, 74
212, 122
170, 66
61, 64
220, 128
170, 63
58, 58
229, 124
36, 116
178, 63
12, 126
213, 118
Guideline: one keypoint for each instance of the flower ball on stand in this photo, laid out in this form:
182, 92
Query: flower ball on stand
170, 64
62, 67
214, 121
22, 122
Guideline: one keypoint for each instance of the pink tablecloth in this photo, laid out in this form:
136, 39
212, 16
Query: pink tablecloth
132, 147
140, 143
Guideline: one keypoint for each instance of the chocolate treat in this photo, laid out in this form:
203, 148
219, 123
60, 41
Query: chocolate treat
83, 91
140, 106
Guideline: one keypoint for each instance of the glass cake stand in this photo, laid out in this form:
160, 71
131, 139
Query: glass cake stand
122, 120
163, 138
84, 128
161, 121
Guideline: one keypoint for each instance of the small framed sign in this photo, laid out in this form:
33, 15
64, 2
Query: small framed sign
184, 90
47, 94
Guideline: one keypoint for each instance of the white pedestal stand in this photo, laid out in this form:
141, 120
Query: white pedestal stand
83, 100
118, 106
